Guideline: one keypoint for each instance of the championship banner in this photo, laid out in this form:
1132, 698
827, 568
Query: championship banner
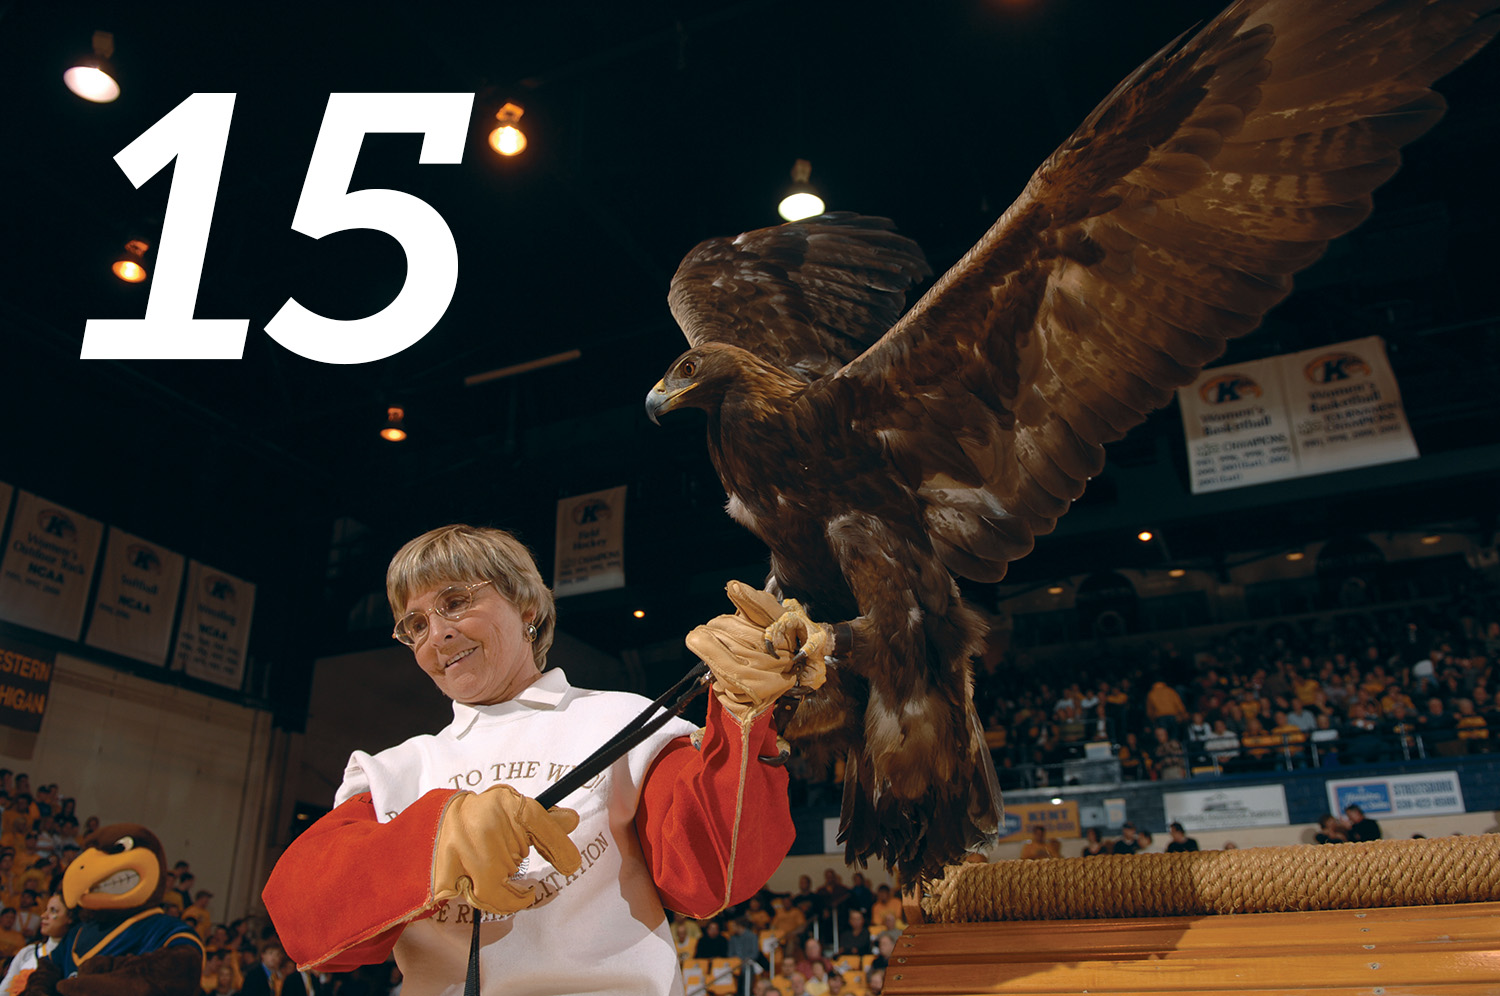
590, 543
25, 681
1228, 809
48, 564
1428, 794
1346, 408
1313, 412
137, 594
215, 629
1061, 820
1237, 427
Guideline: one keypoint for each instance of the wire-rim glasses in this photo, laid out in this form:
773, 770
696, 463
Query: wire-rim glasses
451, 603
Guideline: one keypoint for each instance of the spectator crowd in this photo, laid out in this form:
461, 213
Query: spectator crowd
40, 835
833, 938
1351, 688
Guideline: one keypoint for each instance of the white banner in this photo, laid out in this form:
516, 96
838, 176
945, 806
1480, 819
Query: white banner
215, 629
1226, 809
590, 543
1346, 408
1320, 410
137, 595
1237, 428
48, 564
1430, 793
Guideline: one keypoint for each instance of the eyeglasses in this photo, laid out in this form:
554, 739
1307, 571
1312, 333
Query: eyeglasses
451, 603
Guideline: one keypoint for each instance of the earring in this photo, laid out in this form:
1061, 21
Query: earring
531, 632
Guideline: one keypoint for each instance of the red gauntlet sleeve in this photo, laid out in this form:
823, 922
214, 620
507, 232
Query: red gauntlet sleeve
714, 823
343, 890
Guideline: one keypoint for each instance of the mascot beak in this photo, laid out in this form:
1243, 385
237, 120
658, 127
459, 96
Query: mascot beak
106, 880
659, 400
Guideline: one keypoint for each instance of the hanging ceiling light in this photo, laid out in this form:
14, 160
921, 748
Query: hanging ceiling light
394, 429
130, 265
92, 77
1145, 536
801, 201
508, 139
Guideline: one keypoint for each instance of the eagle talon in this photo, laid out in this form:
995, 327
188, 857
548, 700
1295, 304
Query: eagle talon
814, 641
780, 758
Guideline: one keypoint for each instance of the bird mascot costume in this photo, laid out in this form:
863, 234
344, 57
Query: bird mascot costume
123, 944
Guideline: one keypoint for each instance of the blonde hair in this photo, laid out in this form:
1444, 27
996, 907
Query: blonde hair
459, 554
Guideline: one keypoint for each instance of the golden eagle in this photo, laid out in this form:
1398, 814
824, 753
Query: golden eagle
874, 456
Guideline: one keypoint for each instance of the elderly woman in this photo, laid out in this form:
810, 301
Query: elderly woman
425, 832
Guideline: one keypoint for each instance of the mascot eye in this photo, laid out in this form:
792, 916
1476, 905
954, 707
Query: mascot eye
689, 368
122, 845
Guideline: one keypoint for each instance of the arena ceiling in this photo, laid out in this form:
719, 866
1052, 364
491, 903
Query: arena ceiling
652, 126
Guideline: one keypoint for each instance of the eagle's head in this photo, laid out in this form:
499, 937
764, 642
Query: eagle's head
698, 378
120, 868
704, 375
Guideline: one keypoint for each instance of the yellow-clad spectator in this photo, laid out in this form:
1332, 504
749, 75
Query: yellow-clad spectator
886, 905
27, 854
38, 877
10, 879
1471, 726
229, 962
685, 942
788, 921
199, 912
11, 939
1393, 697
1163, 702
1039, 846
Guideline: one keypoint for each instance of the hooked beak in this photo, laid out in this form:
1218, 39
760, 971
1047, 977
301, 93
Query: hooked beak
659, 400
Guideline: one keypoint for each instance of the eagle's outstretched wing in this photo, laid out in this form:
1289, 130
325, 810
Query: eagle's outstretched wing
1169, 222
807, 297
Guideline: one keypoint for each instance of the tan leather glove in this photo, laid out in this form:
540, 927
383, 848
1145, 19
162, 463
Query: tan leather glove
753, 656
482, 840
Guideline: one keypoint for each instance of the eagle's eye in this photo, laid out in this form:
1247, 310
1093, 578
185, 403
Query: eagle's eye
689, 368
122, 845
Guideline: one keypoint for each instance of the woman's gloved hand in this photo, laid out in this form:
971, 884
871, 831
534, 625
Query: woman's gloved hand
761, 652
482, 840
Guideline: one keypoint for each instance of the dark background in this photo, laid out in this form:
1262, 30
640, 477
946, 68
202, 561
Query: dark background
652, 126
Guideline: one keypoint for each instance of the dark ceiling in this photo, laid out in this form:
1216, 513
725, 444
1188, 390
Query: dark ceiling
652, 126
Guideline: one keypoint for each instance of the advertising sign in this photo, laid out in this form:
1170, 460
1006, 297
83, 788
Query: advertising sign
1229, 808
1061, 820
1429, 793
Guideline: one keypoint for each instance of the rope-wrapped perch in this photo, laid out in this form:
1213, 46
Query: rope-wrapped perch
1254, 880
